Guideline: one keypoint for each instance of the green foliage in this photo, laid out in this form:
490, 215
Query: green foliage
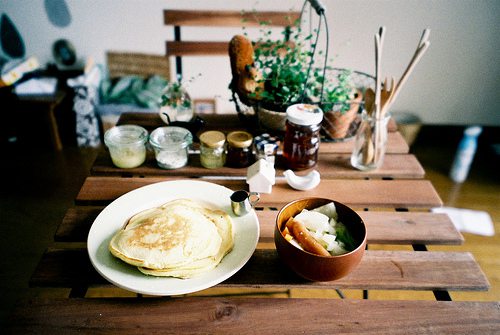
175, 94
284, 64
338, 92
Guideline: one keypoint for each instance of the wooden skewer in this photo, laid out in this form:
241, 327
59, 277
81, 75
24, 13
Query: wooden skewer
379, 41
423, 45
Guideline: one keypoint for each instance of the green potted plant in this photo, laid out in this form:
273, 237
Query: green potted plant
269, 74
340, 101
176, 103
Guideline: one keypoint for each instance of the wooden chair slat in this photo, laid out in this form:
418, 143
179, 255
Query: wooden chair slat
369, 193
208, 18
382, 227
193, 48
383, 270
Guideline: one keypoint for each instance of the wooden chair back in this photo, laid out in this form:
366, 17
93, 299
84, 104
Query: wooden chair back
208, 18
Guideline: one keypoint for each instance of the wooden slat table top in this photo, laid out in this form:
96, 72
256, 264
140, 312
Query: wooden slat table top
356, 193
330, 166
393, 202
381, 270
382, 227
203, 315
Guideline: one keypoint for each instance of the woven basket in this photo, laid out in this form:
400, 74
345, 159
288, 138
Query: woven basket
122, 64
271, 120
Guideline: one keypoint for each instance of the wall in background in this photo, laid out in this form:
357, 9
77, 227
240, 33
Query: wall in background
457, 81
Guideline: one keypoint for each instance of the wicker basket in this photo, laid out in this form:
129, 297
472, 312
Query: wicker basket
144, 65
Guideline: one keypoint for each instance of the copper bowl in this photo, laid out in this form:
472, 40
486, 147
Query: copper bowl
314, 267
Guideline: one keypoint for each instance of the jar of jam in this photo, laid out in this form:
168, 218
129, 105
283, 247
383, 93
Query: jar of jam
301, 142
239, 149
212, 149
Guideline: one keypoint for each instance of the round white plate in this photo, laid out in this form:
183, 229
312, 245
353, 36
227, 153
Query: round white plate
116, 214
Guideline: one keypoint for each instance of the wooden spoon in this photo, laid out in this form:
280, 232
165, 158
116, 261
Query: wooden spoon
386, 96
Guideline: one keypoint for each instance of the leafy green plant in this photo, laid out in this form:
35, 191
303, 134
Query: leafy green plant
289, 73
283, 65
338, 92
175, 94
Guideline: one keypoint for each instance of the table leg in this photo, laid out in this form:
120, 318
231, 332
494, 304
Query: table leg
54, 130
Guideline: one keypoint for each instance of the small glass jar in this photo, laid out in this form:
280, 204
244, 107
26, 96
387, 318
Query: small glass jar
370, 142
266, 147
126, 145
171, 146
212, 149
302, 138
239, 149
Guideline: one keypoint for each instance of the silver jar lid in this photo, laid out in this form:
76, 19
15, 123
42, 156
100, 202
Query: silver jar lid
171, 138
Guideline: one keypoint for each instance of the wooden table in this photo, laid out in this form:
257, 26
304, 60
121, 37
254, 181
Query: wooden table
394, 202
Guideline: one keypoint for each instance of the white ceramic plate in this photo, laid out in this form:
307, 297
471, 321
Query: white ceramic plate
116, 214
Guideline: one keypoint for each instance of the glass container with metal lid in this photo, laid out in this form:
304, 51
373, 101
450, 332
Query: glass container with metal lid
266, 147
126, 145
239, 149
302, 138
171, 146
212, 149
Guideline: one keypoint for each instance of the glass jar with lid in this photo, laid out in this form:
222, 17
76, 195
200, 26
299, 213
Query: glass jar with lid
171, 146
239, 149
266, 147
126, 145
212, 149
302, 138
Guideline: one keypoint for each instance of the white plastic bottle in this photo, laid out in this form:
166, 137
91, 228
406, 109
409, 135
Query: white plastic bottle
465, 154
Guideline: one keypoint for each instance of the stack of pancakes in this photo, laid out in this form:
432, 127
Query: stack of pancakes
180, 239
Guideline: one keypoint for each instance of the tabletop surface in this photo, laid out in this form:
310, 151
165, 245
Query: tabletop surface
393, 201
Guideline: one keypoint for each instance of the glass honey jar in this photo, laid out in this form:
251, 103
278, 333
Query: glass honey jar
239, 149
302, 138
212, 149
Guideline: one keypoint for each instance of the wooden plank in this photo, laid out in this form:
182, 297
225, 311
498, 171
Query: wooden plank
378, 270
233, 315
329, 166
356, 193
382, 227
211, 18
396, 144
196, 48
229, 121
410, 228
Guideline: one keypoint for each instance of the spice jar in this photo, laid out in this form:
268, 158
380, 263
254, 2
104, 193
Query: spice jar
171, 146
212, 151
126, 145
302, 139
266, 147
239, 149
